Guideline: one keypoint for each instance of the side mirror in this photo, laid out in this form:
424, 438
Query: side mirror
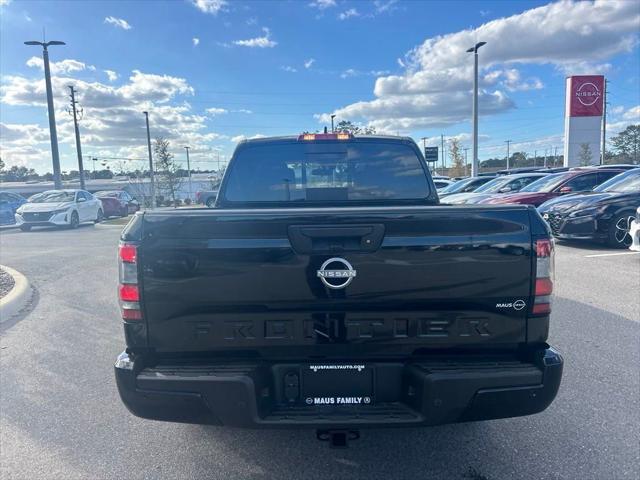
82, 199
504, 190
566, 190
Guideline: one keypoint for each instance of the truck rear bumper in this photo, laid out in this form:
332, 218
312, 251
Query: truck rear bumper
418, 393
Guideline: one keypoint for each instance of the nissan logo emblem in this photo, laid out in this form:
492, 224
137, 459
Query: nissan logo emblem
519, 304
588, 94
339, 276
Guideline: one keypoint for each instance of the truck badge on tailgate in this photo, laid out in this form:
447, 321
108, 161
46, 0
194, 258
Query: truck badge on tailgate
517, 305
336, 278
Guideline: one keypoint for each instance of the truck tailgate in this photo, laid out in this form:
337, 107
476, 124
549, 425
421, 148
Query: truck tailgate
247, 280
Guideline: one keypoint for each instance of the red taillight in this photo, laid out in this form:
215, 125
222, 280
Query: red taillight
544, 286
128, 292
544, 277
541, 308
128, 253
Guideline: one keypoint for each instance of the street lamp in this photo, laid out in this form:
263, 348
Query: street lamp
153, 186
474, 159
189, 170
55, 156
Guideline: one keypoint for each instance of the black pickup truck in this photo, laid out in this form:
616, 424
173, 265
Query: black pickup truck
327, 289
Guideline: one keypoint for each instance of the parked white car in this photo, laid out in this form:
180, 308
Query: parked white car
441, 184
61, 208
634, 231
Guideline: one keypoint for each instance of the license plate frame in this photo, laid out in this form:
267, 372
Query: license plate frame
338, 385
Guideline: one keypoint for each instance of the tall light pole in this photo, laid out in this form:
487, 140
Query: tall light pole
153, 186
442, 148
189, 170
55, 156
604, 125
466, 149
474, 159
508, 142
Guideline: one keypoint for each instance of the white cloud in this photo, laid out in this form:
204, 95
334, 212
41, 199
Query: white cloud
112, 120
632, 114
23, 134
352, 72
463, 138
4, 2
213, 111
620, 118
240, 138
580, 67
210, 6
111, 75
288, 68
23, 144
617, 110
118, 22
64, 66
352, 12
308, 63
511, 79
323, 4
195, 41
242, 110
385, 6
258, 42
434, 89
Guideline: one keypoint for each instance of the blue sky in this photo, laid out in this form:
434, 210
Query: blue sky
211, 71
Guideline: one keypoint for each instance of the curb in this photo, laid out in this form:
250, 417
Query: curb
109, 225
17, 298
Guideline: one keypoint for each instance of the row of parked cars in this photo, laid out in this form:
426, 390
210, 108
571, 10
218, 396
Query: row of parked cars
596, 203
64, 208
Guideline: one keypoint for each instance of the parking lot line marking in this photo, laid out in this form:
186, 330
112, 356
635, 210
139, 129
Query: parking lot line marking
611, 254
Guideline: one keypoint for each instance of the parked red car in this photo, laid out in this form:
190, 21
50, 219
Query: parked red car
117, 203
557, 184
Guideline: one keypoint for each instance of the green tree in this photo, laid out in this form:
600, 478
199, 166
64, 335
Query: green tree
169, 179
456, 157
19, 174
102, 174
585, 155
350, 127
1, 165
627, 143
519, 159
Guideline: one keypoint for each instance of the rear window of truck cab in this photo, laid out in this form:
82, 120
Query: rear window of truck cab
301, 173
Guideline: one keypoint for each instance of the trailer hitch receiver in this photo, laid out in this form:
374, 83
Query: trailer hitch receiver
337, 438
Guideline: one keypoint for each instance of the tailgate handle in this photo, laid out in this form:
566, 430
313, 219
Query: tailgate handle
336, 238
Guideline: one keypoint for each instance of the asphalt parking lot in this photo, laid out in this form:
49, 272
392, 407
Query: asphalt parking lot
61, 417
